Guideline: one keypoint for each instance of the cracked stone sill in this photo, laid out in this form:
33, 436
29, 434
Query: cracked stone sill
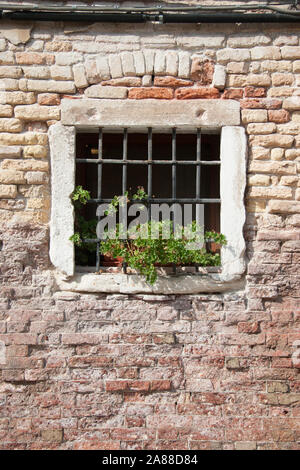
135, 284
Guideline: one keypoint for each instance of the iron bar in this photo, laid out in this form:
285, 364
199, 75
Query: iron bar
99, 188
147, 162
167, 200
124, 169
174, 162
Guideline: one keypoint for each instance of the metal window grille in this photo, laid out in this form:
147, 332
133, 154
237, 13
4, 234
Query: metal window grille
124, 161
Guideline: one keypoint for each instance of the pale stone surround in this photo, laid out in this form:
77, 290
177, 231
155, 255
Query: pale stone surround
213, 115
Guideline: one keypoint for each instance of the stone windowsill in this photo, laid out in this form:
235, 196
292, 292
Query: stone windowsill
183, 282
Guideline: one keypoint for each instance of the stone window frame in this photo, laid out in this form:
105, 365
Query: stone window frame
88, 115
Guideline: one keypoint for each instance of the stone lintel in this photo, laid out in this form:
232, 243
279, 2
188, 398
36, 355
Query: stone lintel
160, 114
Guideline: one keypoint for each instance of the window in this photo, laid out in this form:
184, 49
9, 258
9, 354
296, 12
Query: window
219, 121
173, 167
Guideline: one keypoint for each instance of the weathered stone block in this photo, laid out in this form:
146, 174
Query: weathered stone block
19, 97
34, 58
12, 177
8, 191
229, 55
61, 72
254, 115
36, 112
10, 152
276, 168
51, 86
48, 99
284, 207
113, 92
11, 125
292, 103
6, 110
262, 53
35, 151
80, 79
219, 77
10, 72
187, 113
290, 52
115, 66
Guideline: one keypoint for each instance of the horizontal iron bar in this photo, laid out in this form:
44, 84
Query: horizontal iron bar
148, 162
97, 240
161, 200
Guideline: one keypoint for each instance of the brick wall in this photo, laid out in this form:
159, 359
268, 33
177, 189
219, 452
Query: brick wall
150, 372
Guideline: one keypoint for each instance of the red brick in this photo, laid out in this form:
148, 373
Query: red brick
139, 385
116, 385
49, 99
282, 362
135, 422
279, 116
263, 103
90, 361
34, 58
160, 385
254, 92
95, 444
17, 350
83, 338
197, 93
233, 94
202, 71
171, 82
12, 375
247, 327
151, 92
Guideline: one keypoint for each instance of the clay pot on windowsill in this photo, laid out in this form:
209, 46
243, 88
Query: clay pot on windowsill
213, 247
110, 261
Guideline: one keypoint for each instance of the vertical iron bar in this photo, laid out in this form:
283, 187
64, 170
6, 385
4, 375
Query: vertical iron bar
198, 167
198, 180
99, 189
149, 189
174, 178
124, 179
124, 173
174, 163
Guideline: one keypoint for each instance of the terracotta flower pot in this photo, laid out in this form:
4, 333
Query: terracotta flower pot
213, 247
110, 261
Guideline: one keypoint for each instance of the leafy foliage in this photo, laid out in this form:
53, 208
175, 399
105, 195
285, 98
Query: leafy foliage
84, 229
145, 246
144, 254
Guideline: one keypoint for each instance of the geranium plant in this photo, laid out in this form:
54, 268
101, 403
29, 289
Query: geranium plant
144, 246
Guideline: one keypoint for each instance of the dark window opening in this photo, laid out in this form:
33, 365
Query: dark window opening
182, 168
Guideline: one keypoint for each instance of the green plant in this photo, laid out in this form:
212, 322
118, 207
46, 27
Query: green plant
147, 245
144, 254
84, 229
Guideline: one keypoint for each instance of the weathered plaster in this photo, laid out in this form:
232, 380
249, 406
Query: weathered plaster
62, 150
232, 189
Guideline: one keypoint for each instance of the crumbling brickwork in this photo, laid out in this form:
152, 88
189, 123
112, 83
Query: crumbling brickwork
207, 371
